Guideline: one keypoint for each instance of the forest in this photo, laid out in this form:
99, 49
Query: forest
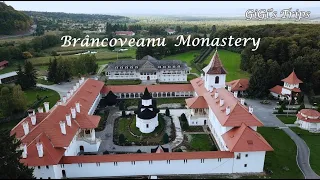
12, 21
283, 48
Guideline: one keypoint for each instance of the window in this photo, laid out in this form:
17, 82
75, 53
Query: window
219, 159
121, 67
87, 131
202, 160
150, 162
62, 165
239, 156
246, 155
168, 161
98, 164
216, 80
80, 164
133, 162
115, 163
39, 167
47, 167
116, 67
185, 160
126, 67
136, 67
245, 165
131, 67
147, 125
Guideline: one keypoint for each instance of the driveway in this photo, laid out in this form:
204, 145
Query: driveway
264, 113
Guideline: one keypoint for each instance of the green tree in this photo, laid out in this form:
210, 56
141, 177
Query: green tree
178, 29
121, 139
165, 138
6, 102
258, 82
30, 75
52, 70
183, 117
213, 29
19, 100
10, 166
26, 55
21, 77
167, 112
123, 114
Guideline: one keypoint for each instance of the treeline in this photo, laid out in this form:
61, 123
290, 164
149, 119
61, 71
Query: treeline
170, 49
11, 51
12, 21
12, 101
62, 69
282, 49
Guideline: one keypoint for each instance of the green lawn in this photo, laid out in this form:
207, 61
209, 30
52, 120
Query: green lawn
312, 140
231, 62
201, 142
42, 81
123, 82
287, 119
191, 76
32, 94
134, 102
284, 154
186, 57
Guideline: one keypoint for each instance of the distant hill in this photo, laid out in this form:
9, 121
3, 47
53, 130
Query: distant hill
12, 21
80, 18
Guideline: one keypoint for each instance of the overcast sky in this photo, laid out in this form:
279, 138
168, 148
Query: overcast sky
158, 7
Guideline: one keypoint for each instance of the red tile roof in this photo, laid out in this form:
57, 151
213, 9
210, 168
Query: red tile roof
245, 139
238, 113
146, 157
215, 66
277, 89
151, 88
309, 115
239, 84
196, 102
296, 90
2, 63
48, 123
292, 79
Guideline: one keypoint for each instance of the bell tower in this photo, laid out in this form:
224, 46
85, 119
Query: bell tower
215, 74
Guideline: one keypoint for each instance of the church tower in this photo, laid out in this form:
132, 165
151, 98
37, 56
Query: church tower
147, 113
215, 74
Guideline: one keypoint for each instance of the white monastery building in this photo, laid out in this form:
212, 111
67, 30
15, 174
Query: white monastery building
309, 119
54, 139
148, 68
290, 88
147, 113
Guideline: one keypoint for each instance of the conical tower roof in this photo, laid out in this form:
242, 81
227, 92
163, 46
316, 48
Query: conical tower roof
146, 95
292, 79
215, 66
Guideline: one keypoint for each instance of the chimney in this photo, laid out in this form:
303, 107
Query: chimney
250, 109
78, 107
71, 92
82, 80
68, 95
68, 119
201, 75
216, 94
59, 102
33, 119
227, 110
25, 126
64, 99
78, 85
40, 109
25, 152
229, 88
74, 88
242, 101
73, 113
221, 102
63, 127
40, 149
235, 94
46, 106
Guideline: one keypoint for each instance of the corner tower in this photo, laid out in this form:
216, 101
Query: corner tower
215, 74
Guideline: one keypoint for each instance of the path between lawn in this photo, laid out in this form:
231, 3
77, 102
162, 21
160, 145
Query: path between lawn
264, 113
107, 135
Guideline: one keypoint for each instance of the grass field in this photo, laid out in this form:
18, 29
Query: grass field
231, 62
32, 94
201, 142
281, 161
185, 57
312, 140
287, 120
191, 76
134, 102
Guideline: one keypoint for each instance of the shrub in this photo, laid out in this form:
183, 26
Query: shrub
165, 138
167, 112
121, 139
123, 113
139, 151
280, 110
183, 117
178, 150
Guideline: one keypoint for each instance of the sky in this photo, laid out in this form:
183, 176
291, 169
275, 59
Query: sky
226, 8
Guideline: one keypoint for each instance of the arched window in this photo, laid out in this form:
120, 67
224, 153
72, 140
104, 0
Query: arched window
216, 80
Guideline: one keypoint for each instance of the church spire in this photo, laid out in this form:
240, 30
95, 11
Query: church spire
146, 95
215, 66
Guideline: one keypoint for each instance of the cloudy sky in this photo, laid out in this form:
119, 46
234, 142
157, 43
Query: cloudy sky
159, 7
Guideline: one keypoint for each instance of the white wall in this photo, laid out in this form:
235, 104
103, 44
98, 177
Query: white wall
44, 173
144, 168
254, 162
95, 104
210, 81
142, 124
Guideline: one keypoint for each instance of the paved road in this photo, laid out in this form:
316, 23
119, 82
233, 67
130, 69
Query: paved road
264, 113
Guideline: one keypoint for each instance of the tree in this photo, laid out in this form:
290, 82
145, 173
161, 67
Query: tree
30, 75
19, 100
26, 55
167, 112
183, 117
6, 102
10, 166
165, 138
139, 151
123, 113
121, 105
258, 81
213, 29
121, 139
20, 77
195, 28
110, 99
178, 29
178, 150
52, 70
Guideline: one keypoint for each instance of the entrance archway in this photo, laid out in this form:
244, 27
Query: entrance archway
81, 148
148, 78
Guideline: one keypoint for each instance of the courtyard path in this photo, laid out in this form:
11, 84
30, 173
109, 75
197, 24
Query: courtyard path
264, 113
